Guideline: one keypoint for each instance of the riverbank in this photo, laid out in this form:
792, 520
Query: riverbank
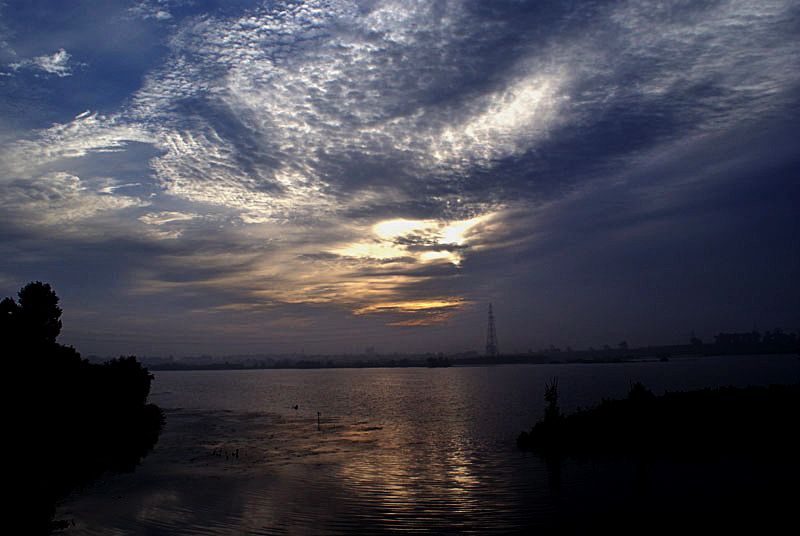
705, 424
74, 422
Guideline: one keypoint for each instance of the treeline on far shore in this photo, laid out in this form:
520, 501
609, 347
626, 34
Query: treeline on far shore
650, 353
430, 361
73, 420
768, 342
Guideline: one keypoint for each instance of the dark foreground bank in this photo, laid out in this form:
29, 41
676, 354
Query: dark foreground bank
68, 420
706, 424
744, 437
77, 421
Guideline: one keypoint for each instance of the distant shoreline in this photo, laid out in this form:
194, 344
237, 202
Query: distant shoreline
425, 362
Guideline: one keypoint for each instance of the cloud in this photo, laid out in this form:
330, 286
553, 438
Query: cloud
158, 10
417, 313
312, 115
88, 133
57, 64
59, 202
114, 187
167, 224
260, 269
296, 109
364, 156
48, 188
413, 241
165, 217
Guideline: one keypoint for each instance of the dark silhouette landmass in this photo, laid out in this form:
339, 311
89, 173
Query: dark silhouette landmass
705, 424
746, 437
72, 420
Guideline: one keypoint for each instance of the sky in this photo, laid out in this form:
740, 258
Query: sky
235, 177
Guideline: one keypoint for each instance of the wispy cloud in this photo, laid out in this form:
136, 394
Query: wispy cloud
60, 203
417, 313
152, 9
87, 133
57, 64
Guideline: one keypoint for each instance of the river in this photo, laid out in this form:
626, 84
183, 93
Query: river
405, 450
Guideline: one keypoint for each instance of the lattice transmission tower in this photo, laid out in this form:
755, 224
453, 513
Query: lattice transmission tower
491, 336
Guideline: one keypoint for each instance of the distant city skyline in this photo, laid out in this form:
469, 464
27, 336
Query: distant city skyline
274, 177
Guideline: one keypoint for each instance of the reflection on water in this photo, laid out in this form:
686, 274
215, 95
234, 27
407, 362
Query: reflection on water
425, 451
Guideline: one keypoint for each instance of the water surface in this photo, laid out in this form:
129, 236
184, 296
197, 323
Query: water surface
405, 450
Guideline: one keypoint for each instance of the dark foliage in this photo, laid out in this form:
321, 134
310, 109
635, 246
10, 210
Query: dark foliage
696, 425
35, 320
74, 420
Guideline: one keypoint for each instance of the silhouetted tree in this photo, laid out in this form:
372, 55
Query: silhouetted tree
36, 319
551, 411
77, 419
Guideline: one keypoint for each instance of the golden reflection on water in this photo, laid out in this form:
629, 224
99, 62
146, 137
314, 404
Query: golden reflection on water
411, 470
